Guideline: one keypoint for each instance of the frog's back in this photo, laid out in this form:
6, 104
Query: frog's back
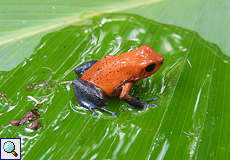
110, 73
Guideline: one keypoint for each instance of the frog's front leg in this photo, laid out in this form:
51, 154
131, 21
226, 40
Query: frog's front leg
89, 96
82, 68
134, 103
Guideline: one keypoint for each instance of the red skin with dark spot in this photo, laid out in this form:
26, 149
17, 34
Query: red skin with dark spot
113, 72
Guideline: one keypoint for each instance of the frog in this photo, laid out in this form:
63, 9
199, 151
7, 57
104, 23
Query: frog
114, 76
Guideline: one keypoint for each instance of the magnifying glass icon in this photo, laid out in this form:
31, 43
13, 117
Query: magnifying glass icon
9, 147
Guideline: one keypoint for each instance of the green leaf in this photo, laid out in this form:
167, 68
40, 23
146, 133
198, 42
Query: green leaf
187, 86
24, 23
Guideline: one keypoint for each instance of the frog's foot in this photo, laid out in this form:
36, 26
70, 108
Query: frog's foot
132, 102
89, 96
102, 109
136, 103
90, 106
153, 99
138, 98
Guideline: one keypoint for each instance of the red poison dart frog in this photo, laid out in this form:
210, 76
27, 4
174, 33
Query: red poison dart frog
114, 76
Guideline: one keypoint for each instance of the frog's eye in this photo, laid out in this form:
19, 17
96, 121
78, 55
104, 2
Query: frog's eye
150, 67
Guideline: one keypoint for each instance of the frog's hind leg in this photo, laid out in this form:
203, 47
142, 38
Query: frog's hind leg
134, 103
82, 68
89, 96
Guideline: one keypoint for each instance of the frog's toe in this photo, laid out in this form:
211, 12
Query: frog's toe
105, 110
92, 111
153, 99
105, 104
113, 113
154, 105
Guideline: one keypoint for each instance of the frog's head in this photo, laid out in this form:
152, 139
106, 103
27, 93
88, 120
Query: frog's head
151, 61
